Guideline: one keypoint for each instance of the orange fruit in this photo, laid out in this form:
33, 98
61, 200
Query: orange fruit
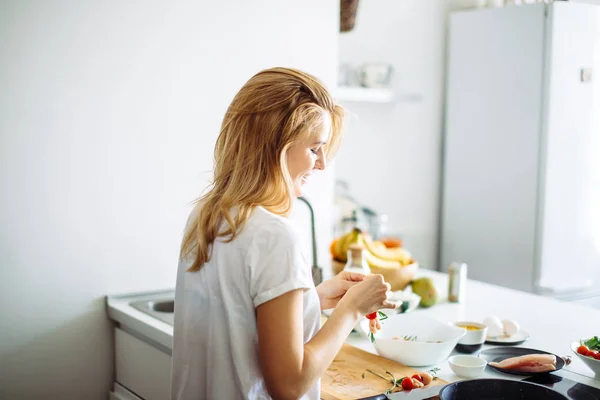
391, 242
332, 247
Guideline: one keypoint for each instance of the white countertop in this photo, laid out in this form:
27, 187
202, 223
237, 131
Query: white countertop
139, 323
552, 324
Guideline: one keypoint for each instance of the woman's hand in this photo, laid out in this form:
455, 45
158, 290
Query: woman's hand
369, 295
331, 291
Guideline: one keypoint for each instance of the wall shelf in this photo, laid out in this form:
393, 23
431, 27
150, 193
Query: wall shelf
372, 95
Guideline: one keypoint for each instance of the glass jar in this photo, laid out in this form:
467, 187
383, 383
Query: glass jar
357, 260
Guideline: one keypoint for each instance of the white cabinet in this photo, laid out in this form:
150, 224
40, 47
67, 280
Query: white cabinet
142, 370
120, 393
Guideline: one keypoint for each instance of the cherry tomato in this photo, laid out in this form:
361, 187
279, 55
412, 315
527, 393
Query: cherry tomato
583, 350
597, 356
592, 353
418, 377
407, 384
373, 315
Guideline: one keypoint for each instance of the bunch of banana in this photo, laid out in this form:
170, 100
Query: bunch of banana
376, 253
395, 264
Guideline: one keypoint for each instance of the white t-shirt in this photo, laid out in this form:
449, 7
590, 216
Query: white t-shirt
215, 344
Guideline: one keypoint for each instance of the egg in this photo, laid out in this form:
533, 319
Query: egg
494, 326
510, 327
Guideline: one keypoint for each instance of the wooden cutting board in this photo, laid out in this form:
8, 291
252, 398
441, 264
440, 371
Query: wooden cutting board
343, 379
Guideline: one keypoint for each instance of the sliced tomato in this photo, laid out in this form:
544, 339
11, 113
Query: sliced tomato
407, 384
417, 377
373, 315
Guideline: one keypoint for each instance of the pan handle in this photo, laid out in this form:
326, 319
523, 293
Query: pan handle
376, 397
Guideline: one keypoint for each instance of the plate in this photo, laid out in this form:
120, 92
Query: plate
498, 354
517, 338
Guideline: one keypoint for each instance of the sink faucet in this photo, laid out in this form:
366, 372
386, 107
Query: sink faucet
317, 271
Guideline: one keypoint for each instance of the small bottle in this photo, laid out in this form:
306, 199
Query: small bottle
457, 282
357, 262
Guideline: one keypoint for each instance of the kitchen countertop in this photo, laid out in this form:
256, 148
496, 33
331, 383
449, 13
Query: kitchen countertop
139, 323
552, 324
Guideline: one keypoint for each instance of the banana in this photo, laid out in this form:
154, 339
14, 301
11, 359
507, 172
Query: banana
344, 242
376, 262
379, 244
393, 272
376, 251
391, 263
397, 254
403, 256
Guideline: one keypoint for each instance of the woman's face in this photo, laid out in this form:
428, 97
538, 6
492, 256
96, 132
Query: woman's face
306, 156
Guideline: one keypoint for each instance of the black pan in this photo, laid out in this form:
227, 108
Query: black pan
498, 354
497, 389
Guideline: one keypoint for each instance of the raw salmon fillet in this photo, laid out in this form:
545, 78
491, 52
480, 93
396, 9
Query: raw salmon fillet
528, 363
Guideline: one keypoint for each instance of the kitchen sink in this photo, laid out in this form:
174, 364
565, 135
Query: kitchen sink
162, 309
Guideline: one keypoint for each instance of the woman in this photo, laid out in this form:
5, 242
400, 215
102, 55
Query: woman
247, 312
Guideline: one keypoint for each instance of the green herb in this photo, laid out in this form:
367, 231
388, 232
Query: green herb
593, 343
410, 338
404, 306
371, 337
395, 382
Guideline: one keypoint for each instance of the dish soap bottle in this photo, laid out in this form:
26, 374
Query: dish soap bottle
357, 261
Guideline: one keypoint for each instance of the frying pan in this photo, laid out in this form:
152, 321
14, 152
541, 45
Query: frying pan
497, 389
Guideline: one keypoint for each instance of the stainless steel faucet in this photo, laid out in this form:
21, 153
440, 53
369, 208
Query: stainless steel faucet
317, 271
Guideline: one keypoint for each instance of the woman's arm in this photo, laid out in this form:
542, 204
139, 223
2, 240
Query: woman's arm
291, 367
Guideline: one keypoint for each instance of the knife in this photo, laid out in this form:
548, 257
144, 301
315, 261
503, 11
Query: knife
415, 394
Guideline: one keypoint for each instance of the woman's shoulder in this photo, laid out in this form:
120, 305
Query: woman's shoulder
272, 227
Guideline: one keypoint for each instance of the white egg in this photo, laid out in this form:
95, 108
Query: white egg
494, 326
510, 327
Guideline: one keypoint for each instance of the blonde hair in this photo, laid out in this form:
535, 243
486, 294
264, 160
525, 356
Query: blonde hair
274, 109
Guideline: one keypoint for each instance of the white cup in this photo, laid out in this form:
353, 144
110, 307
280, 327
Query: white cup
375, 75
474, 337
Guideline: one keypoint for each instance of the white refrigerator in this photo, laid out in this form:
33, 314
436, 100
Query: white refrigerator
521, 158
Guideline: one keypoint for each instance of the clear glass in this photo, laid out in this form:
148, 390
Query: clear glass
357, 262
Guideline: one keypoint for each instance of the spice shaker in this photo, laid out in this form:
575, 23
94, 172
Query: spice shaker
457, 282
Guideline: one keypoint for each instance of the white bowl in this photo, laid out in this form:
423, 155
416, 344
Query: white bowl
592, 363
467, 366
410, 298
434, 339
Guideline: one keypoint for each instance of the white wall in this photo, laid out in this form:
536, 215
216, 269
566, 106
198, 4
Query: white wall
392, 154
108, 115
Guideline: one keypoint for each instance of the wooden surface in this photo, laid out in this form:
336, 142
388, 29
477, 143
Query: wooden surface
343, 379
